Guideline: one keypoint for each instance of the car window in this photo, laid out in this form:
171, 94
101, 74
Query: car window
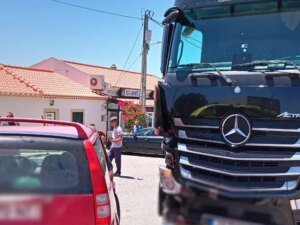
145, 132
100, 152
43, 167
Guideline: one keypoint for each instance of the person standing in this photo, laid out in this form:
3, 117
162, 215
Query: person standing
116, 144
137, 127
10, 115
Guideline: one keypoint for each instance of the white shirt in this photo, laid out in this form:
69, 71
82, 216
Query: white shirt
117, 132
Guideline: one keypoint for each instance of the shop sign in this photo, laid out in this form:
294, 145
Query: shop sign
135, 93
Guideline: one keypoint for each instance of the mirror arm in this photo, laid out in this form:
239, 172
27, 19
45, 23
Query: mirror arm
175, 14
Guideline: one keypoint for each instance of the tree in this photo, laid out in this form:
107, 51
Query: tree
132, 112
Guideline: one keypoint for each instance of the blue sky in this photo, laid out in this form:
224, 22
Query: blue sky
33, 30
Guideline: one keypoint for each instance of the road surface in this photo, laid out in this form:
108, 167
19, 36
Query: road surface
137, 189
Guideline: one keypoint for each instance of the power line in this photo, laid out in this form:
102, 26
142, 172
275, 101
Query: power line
137, 58
156, 43
135, 41
156, 22
161, 25
191, 42
96, 10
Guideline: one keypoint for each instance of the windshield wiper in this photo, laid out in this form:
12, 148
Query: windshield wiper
273, 72
267, 63
210, 74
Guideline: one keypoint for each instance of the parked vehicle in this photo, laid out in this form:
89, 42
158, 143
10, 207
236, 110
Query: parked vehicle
144, 142
54, 172
229, 107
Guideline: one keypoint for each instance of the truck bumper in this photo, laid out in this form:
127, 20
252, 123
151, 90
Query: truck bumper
182, 205
203, 209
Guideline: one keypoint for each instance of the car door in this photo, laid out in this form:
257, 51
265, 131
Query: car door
152, 143
135, 143
129, 143
148, 142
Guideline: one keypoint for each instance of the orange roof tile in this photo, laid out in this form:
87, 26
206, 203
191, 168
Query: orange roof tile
11, 85
44, 83
116, 77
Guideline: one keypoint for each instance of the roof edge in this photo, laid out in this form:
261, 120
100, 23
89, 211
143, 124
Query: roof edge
25, 68
103, 67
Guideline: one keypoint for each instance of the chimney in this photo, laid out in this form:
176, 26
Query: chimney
113, 66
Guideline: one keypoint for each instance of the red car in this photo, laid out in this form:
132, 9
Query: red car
54, 173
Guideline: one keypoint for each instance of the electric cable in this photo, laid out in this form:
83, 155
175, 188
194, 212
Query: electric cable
156, 22
96, 10
139, 56
127, 59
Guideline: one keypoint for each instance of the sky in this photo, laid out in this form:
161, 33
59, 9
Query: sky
34, 30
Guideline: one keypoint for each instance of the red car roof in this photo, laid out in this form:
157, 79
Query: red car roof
46, 128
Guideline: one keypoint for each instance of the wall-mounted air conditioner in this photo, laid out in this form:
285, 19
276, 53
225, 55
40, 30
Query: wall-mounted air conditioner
96, 82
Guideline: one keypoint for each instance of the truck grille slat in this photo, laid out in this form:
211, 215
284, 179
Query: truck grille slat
242, 186
243, 172
239, 169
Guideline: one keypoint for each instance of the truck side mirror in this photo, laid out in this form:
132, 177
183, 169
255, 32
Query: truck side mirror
166, 42
171, 15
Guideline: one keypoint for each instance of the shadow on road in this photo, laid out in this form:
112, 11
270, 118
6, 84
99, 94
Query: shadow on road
143, 155
127, 177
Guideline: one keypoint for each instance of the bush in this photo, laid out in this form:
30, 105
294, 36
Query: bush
132, 112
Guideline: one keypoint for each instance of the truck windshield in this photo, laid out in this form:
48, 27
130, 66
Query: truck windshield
229, 41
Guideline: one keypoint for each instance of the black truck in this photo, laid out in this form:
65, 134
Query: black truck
229, 108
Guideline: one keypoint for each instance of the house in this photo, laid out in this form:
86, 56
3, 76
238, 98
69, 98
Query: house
39, 93
119, 85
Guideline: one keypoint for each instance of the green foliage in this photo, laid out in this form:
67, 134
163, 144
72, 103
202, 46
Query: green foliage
132, 112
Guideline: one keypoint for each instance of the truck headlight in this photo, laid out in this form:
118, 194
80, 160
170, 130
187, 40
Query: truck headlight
167, 182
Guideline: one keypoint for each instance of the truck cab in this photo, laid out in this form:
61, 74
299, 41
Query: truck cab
229, 110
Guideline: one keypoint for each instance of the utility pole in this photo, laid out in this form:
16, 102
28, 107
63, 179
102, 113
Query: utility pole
146, 41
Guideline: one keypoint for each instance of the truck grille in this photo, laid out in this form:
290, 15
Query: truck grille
262, 165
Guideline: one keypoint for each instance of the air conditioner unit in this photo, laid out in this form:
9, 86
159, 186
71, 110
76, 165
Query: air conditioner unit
96, 82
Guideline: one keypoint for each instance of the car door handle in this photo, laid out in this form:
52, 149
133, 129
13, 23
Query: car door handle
146, 139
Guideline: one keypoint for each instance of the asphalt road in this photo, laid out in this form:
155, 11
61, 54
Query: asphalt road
137, 190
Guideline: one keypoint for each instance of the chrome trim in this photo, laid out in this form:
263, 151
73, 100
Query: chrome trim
178, 122
183, 148
293, 171
182, 134
296, 145
295, 204
277, 130
287, 186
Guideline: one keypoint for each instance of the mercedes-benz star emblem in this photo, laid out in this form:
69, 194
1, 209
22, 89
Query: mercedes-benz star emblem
236, 130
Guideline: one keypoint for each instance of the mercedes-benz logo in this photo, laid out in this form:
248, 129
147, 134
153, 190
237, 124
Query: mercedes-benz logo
236, 130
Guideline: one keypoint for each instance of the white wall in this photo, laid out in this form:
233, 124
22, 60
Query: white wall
34, 108
64, 69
